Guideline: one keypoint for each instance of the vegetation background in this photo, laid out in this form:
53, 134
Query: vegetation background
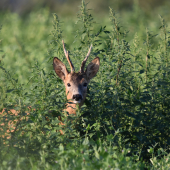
70, 8
125, 122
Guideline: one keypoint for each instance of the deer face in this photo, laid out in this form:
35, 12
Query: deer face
76, 83
76, 87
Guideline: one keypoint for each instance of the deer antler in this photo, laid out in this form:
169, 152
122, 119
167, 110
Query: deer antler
84, 61
68, 58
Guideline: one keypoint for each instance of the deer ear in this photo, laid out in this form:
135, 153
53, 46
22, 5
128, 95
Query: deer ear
93, 68
60, 68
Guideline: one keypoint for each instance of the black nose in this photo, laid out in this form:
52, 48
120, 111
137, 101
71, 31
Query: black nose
77, 97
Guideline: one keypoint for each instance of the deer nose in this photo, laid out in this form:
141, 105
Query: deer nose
77, 97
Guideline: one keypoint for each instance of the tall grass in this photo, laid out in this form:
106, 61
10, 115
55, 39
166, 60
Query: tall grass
125, 120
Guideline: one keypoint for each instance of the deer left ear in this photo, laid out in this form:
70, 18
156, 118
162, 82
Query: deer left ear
60, 68
93, 68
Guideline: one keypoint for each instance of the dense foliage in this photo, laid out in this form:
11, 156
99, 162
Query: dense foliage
125, 122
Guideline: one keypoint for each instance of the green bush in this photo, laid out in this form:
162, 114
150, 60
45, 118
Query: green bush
125, 122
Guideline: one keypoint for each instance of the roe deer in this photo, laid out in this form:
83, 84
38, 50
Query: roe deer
76, 83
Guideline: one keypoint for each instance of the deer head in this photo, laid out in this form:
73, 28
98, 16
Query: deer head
76, 83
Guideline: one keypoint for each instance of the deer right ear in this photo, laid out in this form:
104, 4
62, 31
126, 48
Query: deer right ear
60, 68
93, 68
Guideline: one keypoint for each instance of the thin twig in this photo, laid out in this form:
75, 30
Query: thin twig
118, 70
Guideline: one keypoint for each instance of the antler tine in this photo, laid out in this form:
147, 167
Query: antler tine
84, 61
68, 58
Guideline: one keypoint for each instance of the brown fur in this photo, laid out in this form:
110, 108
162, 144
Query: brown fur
76, 82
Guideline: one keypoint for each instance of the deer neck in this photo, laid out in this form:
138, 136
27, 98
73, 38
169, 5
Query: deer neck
72, 107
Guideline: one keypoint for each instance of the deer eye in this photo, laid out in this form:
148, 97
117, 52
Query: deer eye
85, 84
68, 84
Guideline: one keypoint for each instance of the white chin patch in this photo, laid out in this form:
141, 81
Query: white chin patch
77, 101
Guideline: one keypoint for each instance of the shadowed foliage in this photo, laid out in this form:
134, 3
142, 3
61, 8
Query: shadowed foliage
125, 121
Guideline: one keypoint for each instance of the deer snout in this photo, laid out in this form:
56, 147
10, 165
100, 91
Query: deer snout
77, 97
